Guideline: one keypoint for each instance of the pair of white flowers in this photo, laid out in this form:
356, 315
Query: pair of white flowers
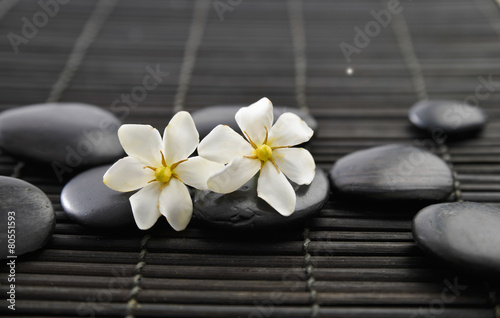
226, 161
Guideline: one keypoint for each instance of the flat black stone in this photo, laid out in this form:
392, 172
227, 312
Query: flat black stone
71, 134
449, 117
393, 172
208, 118
242, 209
463, 234
89, 202
34, 216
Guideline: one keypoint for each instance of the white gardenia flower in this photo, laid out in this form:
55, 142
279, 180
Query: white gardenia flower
267, 149
160, 168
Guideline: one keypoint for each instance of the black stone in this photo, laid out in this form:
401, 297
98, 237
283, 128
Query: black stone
393, 172
34, 216
242, 209
68, 133
447, 117
463, 234
89, 202
208, 118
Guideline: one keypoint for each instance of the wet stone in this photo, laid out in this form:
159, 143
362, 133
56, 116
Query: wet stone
242, 209
30, 211
63, 134
463, 234
451, 118
89, 202
208, 118
393, 172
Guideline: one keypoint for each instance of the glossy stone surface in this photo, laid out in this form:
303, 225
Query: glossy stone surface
242, 209
89, 202
208, 118
449, 117
463, 234
393, 172
34, 216
71, 134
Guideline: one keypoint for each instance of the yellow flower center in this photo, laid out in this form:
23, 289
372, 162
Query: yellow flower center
263, 152
163, 174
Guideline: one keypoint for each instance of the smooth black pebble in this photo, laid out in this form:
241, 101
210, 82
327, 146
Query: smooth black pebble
70, 134
463, 234
242, 209
208, 118
452, 118
89, 202
33, 217
393, 172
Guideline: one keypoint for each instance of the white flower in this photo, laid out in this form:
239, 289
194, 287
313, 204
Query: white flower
267, 149
160, 168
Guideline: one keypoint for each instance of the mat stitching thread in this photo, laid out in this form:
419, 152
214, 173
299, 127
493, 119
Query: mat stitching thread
196, 31
405, 43
309, 274
5, 7
299, 51
94, 24
86, 38
299, 48
136, 288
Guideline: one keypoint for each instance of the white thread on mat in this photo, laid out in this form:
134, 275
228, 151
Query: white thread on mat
136, 286
309, 274
405, 43
296, 17
94, 24
198, 23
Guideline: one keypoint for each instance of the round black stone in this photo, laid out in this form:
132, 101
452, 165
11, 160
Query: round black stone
463, 234
89, 202
447, 117
393, 172
208, 118
242, 209
34, 218
70, 134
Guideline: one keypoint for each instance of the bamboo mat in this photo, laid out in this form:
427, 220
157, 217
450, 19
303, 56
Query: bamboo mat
350, 260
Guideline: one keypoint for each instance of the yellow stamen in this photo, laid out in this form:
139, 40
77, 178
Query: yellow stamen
177, 177
275, 165
280, 147
265, 140
263, 152
163, 162
251, 157
250, 140
152, 168
172, 167
163, 174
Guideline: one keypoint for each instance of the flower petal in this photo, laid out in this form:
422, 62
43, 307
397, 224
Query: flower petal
289, 130
296, 163
180, 138
196, 171
176, 204
145, 205
223, 144
128, 174
234, 175
274, 188
142, 142
255, 118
